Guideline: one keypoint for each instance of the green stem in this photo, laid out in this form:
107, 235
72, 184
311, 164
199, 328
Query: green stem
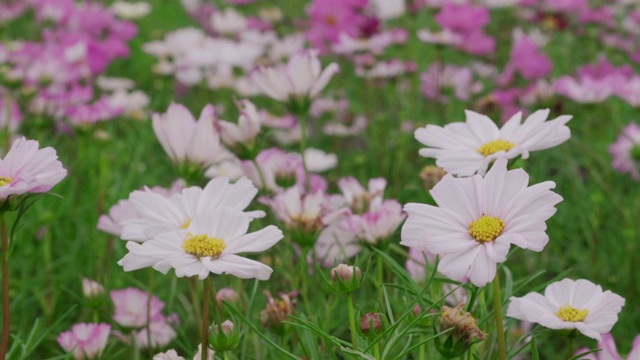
260, 174
376, 351
149, 297
304, 277
6, 312
303, 147
497, 304
380, 278
571, 350
352, 321
225, 355
205, 319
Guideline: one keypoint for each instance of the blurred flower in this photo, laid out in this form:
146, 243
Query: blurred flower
185, 140
85, 341
227, 294
569, 304
277, 311
133, 308
526, 60
319, 161
370, 322
131, 10
122, 210
608, 350
208, 244
173, 355
464, 149
431, 175
161, 334
245, 131
156, 213
465, 333
346, 272
388, 9
28, 169
301, 79
228, 21
440, 83
477, 219
626, 151
91, 288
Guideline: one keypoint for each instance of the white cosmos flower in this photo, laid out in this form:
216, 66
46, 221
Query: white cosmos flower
186, 140
209, 244
301, 77
468, 148
477, 219
157, 214
569, 304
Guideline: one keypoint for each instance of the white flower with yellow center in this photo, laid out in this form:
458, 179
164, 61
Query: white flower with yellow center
569, 304
209, 244
478, 218
155, 213
468, 148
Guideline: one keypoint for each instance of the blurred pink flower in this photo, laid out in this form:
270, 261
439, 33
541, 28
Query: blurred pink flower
131, 307
85, 341
608, 350
625, 151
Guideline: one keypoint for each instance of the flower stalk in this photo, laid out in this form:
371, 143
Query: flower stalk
497, 304
205, 318
6, 311
352, 321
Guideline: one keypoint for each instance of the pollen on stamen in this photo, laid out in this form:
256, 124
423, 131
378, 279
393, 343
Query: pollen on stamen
493, 147
5, 180
203, 246
186, 224
486, 228
571, 314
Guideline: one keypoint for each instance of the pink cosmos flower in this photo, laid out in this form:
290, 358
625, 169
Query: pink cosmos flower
85, 341
91, 288
569, 304
247, 128
301, 78
131, 307
161, 335
626, 151
478, 218
186, 140
28, 169
458, 80
608, 350
526, 60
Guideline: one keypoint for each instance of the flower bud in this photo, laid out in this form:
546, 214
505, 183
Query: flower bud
277, 311
370, 322
345, 272
431, 175
91, 288
224, 337
465, 331
227, 294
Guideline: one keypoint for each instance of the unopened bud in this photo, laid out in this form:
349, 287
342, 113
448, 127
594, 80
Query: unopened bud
227, 294
370, 322
345, 272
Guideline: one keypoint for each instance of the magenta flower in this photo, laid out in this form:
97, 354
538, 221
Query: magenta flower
526, 60
85, 341
28, 169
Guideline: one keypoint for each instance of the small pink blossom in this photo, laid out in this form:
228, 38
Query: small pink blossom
85, 341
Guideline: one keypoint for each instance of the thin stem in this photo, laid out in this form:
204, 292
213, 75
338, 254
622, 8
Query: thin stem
572, 352
6, 312
376, 351
225, 355
205, 319
260, 173
352, 321
149, 295
497, 304
303, 147
380, 279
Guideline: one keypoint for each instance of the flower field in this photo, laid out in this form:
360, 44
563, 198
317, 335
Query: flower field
321, 179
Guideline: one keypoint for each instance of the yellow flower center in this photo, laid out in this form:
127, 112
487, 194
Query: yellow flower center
5, 180
493, 147
486, 228
571, 314
186, 224
203, 245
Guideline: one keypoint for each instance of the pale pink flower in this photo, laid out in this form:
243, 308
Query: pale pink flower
444, 37
227, 294
186, 140
132, 308
301, 78
91, 288
569, 304
157, 213
209, 244
301, 211
122, 210
85, 341
161, 335
228, 21
609, 351
168, 355
247, 128
459, 80
319, 161
478, 218
28, 169
626, 151
356, 196
468, 148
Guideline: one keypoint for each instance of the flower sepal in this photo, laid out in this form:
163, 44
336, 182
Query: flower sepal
224, 337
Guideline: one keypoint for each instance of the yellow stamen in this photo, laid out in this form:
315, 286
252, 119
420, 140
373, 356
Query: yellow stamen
186, 224
486, 228
5, 180
493, 147
203, 245
571, 314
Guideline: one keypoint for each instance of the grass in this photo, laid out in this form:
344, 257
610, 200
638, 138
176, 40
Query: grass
594, 234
